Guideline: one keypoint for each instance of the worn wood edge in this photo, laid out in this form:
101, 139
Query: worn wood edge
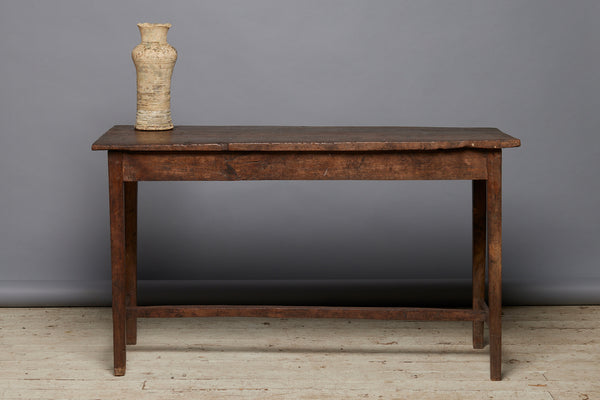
506, 142
373, 146
315, 146
264, 311
161, 147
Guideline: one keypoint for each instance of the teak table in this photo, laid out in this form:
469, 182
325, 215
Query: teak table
233, 153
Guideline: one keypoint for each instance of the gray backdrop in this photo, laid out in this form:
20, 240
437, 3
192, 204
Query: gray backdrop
529, 68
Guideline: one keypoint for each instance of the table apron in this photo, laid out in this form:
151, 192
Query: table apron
460, 164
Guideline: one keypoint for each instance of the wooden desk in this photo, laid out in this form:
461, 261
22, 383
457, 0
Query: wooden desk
232, 153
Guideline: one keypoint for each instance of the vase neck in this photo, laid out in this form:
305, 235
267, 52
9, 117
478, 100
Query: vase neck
154, 33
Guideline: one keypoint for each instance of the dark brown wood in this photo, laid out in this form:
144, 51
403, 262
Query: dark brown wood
117, 255
234, 166
131, 257
302, 138
398, 313
229, 153
484, 307
494, 250
479, 250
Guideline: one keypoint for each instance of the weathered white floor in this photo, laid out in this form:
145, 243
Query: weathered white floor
65, 353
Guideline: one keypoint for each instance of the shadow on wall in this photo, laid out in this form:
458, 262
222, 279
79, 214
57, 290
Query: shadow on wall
341, 231
417, 293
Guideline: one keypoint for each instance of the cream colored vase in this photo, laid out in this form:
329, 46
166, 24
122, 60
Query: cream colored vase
154, 60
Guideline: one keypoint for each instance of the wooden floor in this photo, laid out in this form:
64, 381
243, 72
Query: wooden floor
65, 353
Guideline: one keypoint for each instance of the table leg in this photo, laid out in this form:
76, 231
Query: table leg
117, 255
131, 258
479, 250
494, 237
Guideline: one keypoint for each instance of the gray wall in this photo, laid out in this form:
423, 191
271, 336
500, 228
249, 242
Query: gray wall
529, 68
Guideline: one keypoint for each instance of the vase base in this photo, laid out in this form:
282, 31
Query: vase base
153, 120
154, 128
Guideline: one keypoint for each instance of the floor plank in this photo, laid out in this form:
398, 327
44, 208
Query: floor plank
550, 353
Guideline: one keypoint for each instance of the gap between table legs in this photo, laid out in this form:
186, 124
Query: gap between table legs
479, 251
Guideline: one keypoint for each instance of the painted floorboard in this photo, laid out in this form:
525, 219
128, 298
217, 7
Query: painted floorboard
550, 353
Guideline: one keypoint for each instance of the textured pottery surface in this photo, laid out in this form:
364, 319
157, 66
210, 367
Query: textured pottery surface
154, 60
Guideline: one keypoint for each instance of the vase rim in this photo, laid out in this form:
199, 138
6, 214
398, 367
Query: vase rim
152, 25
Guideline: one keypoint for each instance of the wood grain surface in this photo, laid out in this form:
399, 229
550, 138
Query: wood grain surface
304, 165
302, 138
402, 313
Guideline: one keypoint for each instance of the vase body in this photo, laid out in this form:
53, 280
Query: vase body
154, 60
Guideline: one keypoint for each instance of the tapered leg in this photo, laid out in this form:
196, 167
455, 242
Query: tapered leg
117, 255
479, 249
494, 238
131, 258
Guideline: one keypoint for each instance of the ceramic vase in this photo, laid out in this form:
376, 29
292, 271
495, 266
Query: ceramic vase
154, 60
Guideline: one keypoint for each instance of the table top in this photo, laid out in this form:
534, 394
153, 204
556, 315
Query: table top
302, 138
